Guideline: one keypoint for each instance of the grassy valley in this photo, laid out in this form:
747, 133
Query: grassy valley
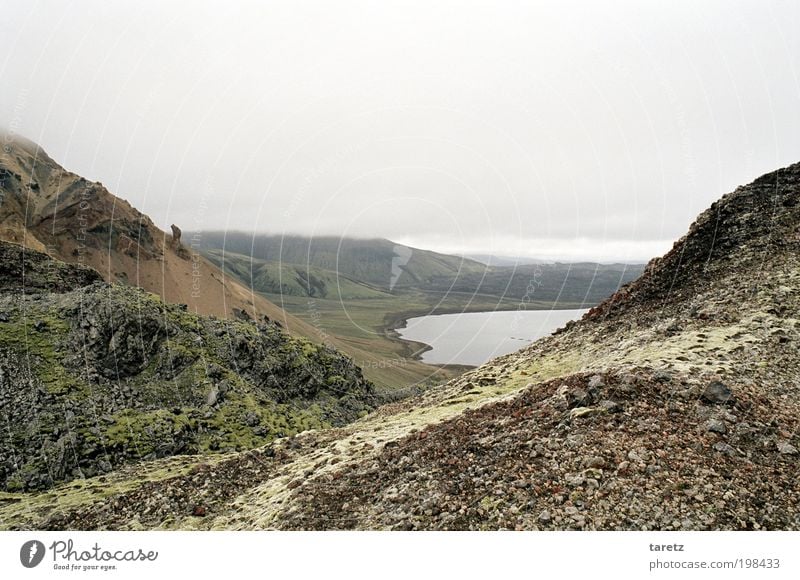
361, 290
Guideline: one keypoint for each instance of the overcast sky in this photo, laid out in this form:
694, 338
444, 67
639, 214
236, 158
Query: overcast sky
591, 130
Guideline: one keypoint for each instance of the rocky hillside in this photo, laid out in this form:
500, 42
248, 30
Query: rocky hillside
47, 208
95, 376
44, 207
673, 405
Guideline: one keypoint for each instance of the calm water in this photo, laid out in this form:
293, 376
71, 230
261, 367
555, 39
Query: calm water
476, 337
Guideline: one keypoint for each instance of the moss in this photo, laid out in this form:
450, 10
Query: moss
40, 338
309, 349
146, 432
20, 510
158, 406
236, 424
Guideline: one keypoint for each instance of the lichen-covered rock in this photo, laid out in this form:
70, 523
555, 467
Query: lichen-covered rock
100, 375
23, 270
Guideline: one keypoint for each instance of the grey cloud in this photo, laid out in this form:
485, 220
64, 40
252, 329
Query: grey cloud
581, 130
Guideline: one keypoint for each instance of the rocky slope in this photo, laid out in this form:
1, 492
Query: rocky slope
673, 405
94, 376
47, 208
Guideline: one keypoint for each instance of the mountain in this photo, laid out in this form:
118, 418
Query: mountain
378, 263
674, 404
94, 376
285, 279
46, 208
492, 260
355, 269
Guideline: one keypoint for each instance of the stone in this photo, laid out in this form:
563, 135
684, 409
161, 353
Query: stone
242, 315
594, 462
717, 393
585, 412
213, 396
662, 376
610, 406
176, 235
578, 398
723, 447
786, 448
716, 426
596, 382
545, 517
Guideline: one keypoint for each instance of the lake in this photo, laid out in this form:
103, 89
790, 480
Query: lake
473, 338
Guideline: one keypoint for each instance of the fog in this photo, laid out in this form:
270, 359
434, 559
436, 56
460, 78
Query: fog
594, 130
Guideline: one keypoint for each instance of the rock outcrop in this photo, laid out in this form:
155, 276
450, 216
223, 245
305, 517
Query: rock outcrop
94, 376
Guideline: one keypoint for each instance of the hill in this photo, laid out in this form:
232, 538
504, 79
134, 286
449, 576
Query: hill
378, 263
671, 405
349, 268
94, 376
47, 208
286, 279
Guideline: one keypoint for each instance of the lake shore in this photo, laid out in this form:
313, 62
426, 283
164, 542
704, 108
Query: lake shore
473, 338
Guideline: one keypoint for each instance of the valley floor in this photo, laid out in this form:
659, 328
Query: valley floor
365, 329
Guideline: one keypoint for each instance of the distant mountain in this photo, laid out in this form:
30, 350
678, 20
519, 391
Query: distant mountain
285, 279
378, 263
492, 260
350, 268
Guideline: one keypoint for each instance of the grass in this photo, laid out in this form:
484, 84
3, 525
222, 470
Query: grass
364, 329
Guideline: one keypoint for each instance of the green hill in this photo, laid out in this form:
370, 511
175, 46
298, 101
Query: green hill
348, 268
288, 279
378, 263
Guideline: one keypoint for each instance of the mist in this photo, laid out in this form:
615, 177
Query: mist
558, 130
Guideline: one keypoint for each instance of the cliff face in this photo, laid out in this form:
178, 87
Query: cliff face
673, 405
95, 376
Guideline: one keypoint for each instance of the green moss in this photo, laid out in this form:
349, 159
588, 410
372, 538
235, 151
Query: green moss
247, 423
42, 348
309, 349
145, 432
22, 509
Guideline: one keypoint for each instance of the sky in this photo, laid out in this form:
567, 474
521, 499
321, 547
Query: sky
557, 130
